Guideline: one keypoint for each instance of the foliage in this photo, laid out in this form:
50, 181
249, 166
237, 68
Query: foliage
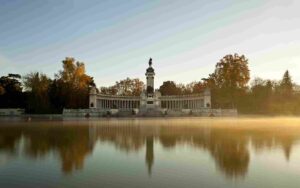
169, 88
229, 80
271, 97
69, 89
37, 85
126, 87
286, 85
72, 84
11, 95
232, 72
228, 84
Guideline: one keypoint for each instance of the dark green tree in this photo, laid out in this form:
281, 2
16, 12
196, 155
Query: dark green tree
286, 85
11, 95
37, 85
169, 88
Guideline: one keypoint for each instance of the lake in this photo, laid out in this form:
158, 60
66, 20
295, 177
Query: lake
150, 152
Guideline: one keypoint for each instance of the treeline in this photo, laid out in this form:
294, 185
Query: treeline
230, 89
38, 93
229, 86
126, 87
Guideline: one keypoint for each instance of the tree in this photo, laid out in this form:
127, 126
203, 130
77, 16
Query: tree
11, 95
286, 85
74, 84
261, 95
229, 79
111, 90
195, 87
125, 87
37, 85
169, 88
232, 72
2, 90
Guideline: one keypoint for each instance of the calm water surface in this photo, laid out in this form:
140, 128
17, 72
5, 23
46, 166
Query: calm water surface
186, 152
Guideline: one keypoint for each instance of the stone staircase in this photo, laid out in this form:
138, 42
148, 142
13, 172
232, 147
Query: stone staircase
150, 112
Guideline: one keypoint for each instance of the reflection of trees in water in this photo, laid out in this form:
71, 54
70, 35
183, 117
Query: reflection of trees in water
9, 139
265, 140
227, 146
229, 150
127, 139
71, 143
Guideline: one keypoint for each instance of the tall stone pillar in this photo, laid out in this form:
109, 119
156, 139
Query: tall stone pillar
93, 98
207, 98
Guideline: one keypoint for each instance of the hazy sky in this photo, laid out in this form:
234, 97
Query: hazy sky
116, 38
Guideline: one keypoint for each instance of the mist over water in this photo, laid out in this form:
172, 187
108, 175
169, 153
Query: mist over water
159, 152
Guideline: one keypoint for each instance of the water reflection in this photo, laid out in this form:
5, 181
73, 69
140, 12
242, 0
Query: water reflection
230, 145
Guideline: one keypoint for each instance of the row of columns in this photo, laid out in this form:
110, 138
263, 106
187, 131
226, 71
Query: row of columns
124, 104
181, 104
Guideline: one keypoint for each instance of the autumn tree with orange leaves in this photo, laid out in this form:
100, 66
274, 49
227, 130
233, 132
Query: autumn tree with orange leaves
74, 83
229, 80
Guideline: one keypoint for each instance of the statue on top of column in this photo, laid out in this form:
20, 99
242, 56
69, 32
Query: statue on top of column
150, 62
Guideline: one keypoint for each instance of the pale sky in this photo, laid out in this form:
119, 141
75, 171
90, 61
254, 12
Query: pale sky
116, 38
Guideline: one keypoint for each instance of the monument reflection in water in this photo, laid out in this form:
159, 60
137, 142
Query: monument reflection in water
167, 146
